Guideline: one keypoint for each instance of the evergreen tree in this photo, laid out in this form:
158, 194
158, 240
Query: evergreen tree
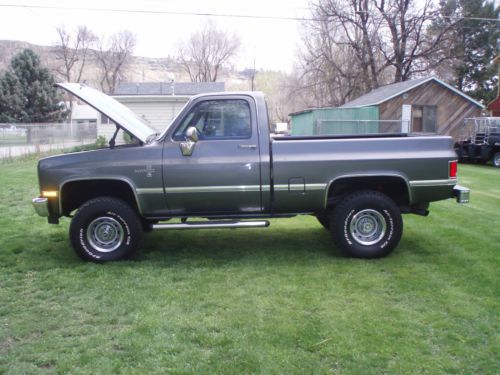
27, 92
11, 102
476, 42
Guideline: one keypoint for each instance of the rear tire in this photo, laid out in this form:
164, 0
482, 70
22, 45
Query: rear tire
105, 229
366, 224
496, 159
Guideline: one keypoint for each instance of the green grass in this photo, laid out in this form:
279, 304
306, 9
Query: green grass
266, 301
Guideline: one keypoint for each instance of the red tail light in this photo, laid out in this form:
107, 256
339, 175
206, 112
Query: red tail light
452, 169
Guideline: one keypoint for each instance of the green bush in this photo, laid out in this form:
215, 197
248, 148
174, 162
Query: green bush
100, 142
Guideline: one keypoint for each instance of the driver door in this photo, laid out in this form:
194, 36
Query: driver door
222, 173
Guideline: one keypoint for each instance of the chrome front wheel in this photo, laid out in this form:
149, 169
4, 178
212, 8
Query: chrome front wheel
105, 229
105, 234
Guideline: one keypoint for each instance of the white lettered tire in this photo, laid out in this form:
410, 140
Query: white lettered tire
105, 229
366, 224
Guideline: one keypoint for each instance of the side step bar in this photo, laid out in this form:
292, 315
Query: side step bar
213, 225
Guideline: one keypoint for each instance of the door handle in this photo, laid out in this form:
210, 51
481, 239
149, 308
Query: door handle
252, 147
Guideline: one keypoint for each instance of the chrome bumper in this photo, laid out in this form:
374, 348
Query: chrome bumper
41, 206
461, 193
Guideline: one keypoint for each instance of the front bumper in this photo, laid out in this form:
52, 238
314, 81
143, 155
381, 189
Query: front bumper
461, 193
41, 206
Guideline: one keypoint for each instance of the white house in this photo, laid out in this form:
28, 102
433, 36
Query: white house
156, 102
83, 114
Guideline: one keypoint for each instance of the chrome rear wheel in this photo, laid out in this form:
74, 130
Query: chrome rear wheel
366, 224
368, 227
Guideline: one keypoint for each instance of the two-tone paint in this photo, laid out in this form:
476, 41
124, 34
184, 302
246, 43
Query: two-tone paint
260, 176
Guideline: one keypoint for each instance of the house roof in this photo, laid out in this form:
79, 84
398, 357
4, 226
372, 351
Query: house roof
384, 93
168, 88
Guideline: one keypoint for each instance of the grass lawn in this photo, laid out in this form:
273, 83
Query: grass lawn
265, 301
12, 139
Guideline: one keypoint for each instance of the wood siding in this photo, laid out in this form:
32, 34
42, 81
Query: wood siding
451, 107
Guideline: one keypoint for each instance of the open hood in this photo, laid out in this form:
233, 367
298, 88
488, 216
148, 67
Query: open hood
117, 112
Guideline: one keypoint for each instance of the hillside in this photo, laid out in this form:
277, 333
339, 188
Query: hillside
141, 69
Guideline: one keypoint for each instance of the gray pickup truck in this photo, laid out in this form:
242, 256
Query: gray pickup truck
218, 162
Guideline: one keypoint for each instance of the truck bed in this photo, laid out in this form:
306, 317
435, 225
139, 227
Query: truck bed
305, 167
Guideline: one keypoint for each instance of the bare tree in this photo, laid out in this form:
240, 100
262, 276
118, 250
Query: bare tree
72, 49
338, 60
354, 46
330, 71
411, 45
353, 26
206, 52
113, 55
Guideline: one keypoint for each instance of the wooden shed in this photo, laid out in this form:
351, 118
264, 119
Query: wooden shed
428, 104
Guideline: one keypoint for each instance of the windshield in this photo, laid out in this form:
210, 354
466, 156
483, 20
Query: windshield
178, 115
117, 112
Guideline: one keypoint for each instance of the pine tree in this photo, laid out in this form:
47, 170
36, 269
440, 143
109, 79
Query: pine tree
11, 102
27, 92
476, 42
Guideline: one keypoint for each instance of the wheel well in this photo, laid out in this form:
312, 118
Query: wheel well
392, 186
75, 193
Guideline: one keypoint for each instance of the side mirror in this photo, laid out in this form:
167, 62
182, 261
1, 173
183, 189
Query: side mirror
192, 134
187, 147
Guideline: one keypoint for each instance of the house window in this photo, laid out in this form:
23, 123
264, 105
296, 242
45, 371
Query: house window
424, 119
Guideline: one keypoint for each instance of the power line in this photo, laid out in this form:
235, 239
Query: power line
472, 18
135, 11
202, 14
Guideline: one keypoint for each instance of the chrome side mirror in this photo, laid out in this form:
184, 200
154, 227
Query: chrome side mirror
187, 147
192, 134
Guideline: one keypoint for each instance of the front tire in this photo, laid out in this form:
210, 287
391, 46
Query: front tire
366, 224
105, 229
324, 220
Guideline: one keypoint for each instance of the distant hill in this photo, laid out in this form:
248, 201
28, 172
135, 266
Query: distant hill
141, 69
147, 69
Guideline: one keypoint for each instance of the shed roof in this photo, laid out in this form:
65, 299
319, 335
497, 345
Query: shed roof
168, 88
384, 93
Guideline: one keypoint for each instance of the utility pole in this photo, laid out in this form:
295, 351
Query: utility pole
253, 76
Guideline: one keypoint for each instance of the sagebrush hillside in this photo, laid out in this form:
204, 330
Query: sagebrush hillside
142, 69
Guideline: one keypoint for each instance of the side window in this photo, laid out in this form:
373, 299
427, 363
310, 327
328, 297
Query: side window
424, 118
218, 119
430, 119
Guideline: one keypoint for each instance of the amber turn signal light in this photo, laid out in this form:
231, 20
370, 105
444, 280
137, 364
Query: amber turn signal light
49, 194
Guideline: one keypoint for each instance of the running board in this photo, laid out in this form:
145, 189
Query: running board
213, 225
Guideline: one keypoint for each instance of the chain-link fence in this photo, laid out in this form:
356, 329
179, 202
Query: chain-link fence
22, 139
